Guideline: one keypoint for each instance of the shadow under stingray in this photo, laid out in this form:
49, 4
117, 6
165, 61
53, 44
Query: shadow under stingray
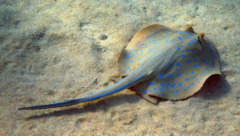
215, 87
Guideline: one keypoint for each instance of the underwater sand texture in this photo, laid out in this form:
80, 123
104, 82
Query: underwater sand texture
57, 50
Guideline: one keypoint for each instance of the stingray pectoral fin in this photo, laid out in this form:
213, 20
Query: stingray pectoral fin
147, 31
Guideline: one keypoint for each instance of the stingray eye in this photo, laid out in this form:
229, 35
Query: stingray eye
200, 37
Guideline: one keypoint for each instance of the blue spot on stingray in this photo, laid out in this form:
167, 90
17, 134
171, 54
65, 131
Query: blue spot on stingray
154, 39
192, 83
161, 89
170, 64
195, 66
167, 88
177, 91
185, 89
177, 69
146, 46
143, 44
179, 75
190, 44
195, 59
192, 41
189, 61
193, 50
173, 91
182, 45
186, 79
149, 90
130, 70
150, 83
149, 41
178, 64
180, 84
155, 88
187, 50
161, 76
187, 32
188, 36
162, 84
141, 51
144, 91
179, 48
180, 38
180, 32
131, 61
167, 32
195, 39
125, 61
183, 56
172, 41
128, 67
206, 55
173, 85
192, 72
119, 69
146, 96
124, 65
124, 72
149, 50
205, 60
133, 55
170, 75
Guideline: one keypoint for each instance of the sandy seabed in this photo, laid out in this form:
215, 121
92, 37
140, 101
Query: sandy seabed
54, 50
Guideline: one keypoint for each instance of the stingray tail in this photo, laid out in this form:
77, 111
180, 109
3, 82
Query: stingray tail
123, 84
52, 105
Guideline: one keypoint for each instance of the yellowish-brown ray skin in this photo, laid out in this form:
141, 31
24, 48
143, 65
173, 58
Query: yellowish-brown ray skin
138, 37
142, 34
147, 31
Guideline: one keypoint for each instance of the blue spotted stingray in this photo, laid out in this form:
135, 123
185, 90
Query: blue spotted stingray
159, 62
